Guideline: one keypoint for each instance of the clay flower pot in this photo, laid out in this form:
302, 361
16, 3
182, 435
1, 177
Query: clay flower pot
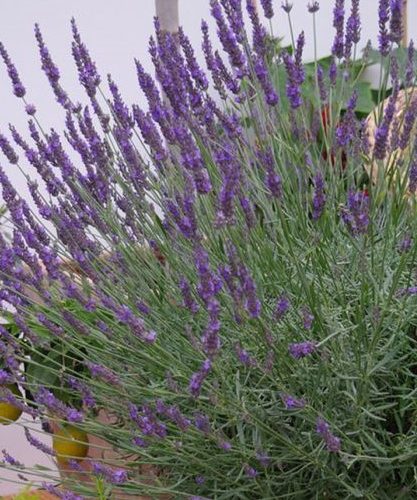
101, 451
35, 494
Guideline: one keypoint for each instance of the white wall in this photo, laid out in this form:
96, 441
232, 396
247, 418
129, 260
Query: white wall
116, 31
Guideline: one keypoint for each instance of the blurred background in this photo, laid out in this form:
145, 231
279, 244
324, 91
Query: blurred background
116, 32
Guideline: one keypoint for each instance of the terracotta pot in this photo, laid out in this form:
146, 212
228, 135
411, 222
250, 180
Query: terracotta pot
38, 494
101, 451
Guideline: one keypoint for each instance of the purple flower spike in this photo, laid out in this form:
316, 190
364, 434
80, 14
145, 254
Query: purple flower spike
250, 472
227, 37
8, 150
396, 21
292, 403
60, 493
383, 18
113, 476
51, 70
356, 214
244, 357
38, 444
333, 443
198, 378
30, 109
282, 307
8, 459
295, 73
319, 197
301, 349
313, 7
308, 318
405, 244
353, 29
18, 88
225, 445
263, 458
5, 378
338, 23
267, 8
409, 70
87, 72
103, 373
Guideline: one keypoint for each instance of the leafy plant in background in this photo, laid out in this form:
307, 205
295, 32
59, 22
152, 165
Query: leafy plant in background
241, 302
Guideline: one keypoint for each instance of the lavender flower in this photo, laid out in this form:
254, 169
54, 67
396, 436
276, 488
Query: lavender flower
308, 318
227, 37
138, 441
263, 458
412, 175
174, 414
8, 459
225, 445
51, 70
54, 405
18, 88
333, 72
356, 214
295, 73
7, 150
250, 472
5, 378
147, 422
112, 476
313, 7
103, 373
319, 197
267, 8
291, 402
411, 290
405, 243
383, 18
198, 378
209, 284
30, 109
259, 33
396, 21
281, 308
301, 349
333, 443
408, 124
346, 131
353, 29
244, 357
87, 72
60, 493
292, 87
261, 72
409, 70
321, 84
338, 23
38, 444
202, 422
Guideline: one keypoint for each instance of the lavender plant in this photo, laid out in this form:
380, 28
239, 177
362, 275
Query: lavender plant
240, 299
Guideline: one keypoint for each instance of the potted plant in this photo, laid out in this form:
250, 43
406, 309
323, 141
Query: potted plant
273, 353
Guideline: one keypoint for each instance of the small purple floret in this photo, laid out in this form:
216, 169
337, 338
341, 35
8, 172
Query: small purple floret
301, 349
